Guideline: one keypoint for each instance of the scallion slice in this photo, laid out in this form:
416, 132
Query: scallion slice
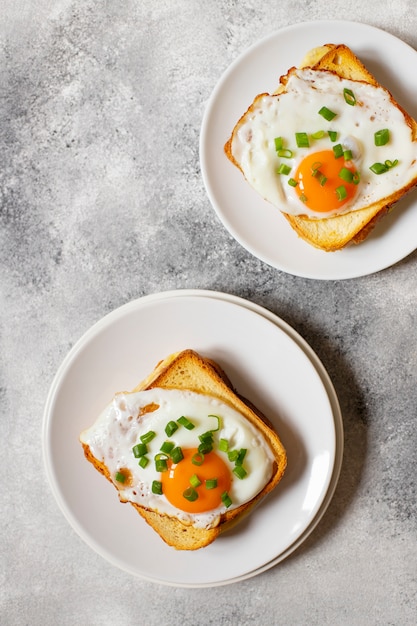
232, 455
239, 471
349, 96
195, 481
167, 446
143, 461
190, 494
197, 458
292, 182
170, 428
241, 456
381, 168
341, 192
332, 135
140, 449
213, 430
302, 140
279, 143
226, 499
284, 169
147, 437
285, 153
211, 483
327, 114
157, 487
177, 455
347, 155
338, 151
120, 477
381, 137
318, 135
303, 198
346, 175
184, 421
161, 462
207, 436
223, 445
205, 447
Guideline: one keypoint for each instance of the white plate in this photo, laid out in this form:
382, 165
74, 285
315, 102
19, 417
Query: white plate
266, 360
256, 224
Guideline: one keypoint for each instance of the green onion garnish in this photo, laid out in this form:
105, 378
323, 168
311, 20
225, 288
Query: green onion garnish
303, 197
241, 456
239, 471
120, 477
161, 462
223, 445
170, 428
284, 169
232, 455
205, 447
292, 182
139, 450
143, 461
211, 483
213, 430
381, 168
381, 137
167, 446
207, 436
332, 135
327, 114
302, 140
177, 455
356, 178
285, 153
279, 143
226, 499
318, 135
346, 175
190, 494
347, 155
147, 437
318, 174
341, 192
195, 481
349, 96
157, 487
197, 459
338, 150
184, 421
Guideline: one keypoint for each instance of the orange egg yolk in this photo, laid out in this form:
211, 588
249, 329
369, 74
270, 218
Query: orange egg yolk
176, 481
318, 178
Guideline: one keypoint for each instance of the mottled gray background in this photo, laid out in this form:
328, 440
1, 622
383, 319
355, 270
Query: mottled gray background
102, 201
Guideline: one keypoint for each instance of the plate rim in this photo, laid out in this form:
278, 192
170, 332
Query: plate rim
96, 328
253, 249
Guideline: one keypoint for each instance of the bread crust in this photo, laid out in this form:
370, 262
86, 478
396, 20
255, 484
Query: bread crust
188, 370
334, 233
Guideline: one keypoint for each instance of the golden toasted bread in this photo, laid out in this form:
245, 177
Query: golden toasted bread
334, 233
188, 371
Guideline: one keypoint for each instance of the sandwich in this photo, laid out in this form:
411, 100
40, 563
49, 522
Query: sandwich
330, 148
186, 451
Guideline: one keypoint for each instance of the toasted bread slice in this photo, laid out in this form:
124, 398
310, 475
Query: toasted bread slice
189, 371
333, 233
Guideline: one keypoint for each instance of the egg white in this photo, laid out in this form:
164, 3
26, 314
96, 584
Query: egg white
296, 110
119, 427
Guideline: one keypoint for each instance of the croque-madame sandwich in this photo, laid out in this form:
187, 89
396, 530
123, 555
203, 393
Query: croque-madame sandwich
331, 148
186, 451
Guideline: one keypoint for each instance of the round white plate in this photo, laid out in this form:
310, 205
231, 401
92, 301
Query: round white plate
256, 224
266, 360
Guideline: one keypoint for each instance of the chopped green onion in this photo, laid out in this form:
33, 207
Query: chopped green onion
190, 494
356, 178
239, 471
147, 437
184, 421
284, 169
318, 174
279, 143
157, 487
140, 449
332, 135
177, 455
285, 153
347, 155
391, 164
341, 192
303, 197
346, 175
161, 462
318, 135
226, 499
213, 430
170, 428
241, 456
195, 481
232, 455
205, 447
223, 445
211, 483
327, 114
292, 182
197, 459
381, 137
143, 461
338, 150
207, 436
302, 140
349, 96
120, 477
381, 168
167, 446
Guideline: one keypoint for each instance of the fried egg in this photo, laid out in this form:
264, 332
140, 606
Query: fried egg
325, 146
180, 453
